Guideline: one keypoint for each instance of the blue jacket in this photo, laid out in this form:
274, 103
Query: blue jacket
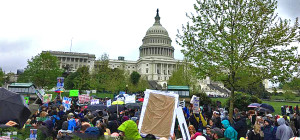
269, 133
229, 133
71, 124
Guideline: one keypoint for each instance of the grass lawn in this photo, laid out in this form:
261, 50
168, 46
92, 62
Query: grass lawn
276, 105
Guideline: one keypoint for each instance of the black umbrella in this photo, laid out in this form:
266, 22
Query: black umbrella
13, 107
261, 109
133, 106
96, 107
116, 108
267, 106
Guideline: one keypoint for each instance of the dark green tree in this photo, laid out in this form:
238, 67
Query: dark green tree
183, 75
1, 77
293, 85
82, 79
42, 70
242, 100
135, 77
69, 81
229, 37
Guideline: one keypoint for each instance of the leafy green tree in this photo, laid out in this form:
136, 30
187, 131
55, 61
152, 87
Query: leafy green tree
101, 73
42, 70
1, 77
69, 81
293, 85
142, 85
116, 81
289, 95
182, 75
135, 77
242, 100
82, 79
228, 37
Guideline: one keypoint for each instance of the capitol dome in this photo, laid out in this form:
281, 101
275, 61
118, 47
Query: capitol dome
157, 42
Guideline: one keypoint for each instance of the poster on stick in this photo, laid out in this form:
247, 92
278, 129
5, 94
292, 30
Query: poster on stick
74, 93
158, 113
47, 98
182, 124
94, 101
196, 105
67, 103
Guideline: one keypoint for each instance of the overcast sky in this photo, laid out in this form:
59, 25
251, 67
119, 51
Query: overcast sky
96, 26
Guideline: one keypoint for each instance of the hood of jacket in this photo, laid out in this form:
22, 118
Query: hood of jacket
280, 121
225, 123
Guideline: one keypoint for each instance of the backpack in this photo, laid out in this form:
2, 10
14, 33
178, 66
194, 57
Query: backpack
71, 124
92, 131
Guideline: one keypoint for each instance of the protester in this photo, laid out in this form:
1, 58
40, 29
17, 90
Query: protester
240, 126
283, 132
129, 130
268, 130
229, 132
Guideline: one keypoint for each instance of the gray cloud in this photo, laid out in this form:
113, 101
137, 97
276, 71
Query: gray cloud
289, 8
14, 54
8, 46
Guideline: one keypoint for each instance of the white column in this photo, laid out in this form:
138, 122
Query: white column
168, 69
161, 70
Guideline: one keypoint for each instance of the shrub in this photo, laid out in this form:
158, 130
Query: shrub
242, 100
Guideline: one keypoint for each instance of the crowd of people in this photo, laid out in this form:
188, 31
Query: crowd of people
249, 125
210, 123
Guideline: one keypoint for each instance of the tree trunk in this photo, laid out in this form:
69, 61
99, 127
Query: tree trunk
231, 105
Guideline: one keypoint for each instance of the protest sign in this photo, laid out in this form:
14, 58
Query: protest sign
60, 82
129, 99
192, 99
74, 93
182, 124
40, 93
182, 103
84, 98
196, 105
67, 103
33, 134
158, 113
94, 101
94, 91
108, 103
26, 100
47, 98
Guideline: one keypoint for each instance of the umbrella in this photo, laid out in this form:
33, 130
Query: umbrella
118, 103
254, 105
58, 91
13, 107
133, 106
116, 108
267, 106
33, 108
261, 109
96, 107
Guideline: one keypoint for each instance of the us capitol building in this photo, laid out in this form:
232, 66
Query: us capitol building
156, 59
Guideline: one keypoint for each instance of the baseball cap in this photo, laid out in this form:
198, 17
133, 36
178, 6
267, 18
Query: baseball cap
70, 115
217, 131
269, 115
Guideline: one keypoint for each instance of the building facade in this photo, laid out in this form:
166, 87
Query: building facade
74, 60
156, 56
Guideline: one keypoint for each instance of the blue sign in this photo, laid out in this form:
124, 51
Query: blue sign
60, 82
